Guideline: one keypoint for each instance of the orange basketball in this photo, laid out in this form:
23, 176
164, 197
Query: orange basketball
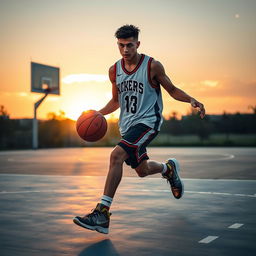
91, 125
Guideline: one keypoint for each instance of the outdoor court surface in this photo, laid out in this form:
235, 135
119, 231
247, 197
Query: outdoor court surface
41, 191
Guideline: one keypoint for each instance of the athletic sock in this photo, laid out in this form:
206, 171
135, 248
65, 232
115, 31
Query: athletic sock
106, 200
165, 169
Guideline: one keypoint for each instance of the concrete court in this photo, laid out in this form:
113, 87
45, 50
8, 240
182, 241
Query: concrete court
41, 191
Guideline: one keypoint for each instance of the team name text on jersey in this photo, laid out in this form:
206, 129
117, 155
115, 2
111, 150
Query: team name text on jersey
130, 85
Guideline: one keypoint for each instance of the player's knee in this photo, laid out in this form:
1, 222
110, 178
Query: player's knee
115, 159
141, 172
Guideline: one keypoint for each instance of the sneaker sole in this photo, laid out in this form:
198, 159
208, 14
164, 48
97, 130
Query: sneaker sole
96, 228
177, 165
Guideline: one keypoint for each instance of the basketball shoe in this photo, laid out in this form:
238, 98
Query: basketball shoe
172, 176
97, 220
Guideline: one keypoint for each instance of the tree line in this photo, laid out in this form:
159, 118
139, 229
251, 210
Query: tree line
59, 131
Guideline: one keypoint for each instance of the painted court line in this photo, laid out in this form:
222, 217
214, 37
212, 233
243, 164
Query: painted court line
128, 178
236, 225
121, 189
219, 193
219, 158
208, 239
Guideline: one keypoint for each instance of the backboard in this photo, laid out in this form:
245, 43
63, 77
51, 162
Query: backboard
45, 78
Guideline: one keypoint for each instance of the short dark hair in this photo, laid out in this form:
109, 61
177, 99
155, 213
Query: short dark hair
127, 31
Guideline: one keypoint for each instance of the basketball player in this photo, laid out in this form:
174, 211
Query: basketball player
136, 88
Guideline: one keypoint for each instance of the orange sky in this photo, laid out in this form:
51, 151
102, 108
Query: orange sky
207, 47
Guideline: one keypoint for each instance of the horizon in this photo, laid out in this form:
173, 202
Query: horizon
207, 48
114, 118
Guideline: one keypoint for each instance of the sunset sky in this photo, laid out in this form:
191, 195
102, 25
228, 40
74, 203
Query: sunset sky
208, 49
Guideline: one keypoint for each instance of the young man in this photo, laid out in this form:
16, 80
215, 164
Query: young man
136, 80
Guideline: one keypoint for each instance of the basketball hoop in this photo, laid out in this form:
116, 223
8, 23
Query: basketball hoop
44, 79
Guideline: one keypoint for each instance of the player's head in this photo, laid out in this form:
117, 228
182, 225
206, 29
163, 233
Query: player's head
127, 31
127, 40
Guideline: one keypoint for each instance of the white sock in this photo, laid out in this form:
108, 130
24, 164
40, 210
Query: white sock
164, 168
106, 200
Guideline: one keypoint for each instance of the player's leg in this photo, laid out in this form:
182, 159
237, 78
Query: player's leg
117, 158
134, 142
169, 171
149, 167
99, 219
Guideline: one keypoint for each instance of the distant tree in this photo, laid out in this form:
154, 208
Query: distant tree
205, 128
190, 122
3, 113
55, 116
113, 134
174, 115
192, 112
62, 115
172, 125
226, 124
193, 124
50, 133
7, 128
253, 108
51, 116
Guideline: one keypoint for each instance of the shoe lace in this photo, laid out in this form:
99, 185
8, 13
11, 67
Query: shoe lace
93, 213
171, 179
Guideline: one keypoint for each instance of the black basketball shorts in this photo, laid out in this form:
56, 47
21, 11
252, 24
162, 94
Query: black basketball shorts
135, 141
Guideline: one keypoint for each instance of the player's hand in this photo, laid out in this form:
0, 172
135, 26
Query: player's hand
196, 104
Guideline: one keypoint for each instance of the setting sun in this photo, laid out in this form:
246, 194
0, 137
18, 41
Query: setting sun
74, 106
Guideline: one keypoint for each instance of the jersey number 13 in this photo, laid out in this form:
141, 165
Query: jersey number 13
131, 103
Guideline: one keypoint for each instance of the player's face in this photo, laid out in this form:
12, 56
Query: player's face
128, 47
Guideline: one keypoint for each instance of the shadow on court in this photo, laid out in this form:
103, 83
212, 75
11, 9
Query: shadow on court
104, 247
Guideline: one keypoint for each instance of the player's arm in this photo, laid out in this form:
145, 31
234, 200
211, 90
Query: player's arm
160, 76
113, 104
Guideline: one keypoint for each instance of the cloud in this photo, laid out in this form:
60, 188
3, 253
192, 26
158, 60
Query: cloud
79, 78
22, 94
222, 88
19, 94
240, 88
209, 83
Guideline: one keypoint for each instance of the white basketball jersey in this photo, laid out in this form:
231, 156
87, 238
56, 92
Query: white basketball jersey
140, 101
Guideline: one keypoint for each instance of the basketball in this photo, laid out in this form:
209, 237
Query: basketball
91, 125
